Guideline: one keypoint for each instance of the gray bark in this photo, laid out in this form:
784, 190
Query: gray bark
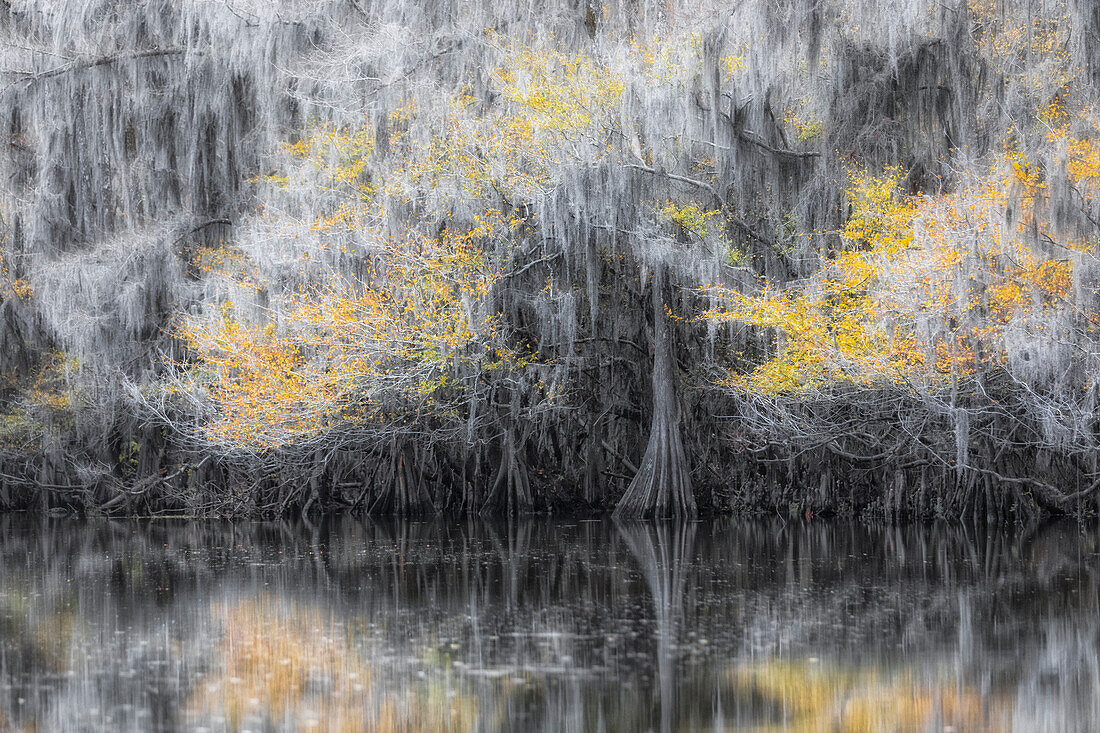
662, 486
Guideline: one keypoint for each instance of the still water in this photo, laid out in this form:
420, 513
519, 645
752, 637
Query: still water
547, 626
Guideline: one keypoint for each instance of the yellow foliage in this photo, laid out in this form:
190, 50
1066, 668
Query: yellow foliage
1025, 42
347, 350
881, 218
689, 217
1029, 284
887, 309
340, 157
11, 287
43, 400
50, 386
1055, 117
552, 102
21, 289
731, 65
344, 349
806, 125
830, 330
1084, 163
673, 59
554, 91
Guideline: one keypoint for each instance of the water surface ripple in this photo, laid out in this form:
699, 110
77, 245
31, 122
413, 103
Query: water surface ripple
548, 625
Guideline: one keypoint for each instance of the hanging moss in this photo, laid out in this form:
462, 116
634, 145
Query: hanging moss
435, 227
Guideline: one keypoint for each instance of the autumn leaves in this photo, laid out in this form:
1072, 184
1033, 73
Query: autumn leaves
403, 336
914, 289
919, 292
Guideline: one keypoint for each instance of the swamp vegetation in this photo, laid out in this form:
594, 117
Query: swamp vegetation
656, 258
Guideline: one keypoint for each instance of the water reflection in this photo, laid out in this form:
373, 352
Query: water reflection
551, 625
664, 553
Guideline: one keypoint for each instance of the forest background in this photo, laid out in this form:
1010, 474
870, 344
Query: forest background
813, 256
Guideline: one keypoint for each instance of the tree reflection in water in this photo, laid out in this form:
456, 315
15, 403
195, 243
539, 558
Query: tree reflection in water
664, 551
546, 625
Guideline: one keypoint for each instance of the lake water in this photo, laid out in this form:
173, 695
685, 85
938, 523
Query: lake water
547, 625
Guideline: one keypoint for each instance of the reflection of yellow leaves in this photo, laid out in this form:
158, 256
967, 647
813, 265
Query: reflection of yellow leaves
293, 666
816, 697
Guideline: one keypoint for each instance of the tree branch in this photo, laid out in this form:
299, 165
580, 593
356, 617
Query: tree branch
82, 64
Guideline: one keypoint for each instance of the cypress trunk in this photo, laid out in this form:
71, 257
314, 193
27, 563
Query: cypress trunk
662, 485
